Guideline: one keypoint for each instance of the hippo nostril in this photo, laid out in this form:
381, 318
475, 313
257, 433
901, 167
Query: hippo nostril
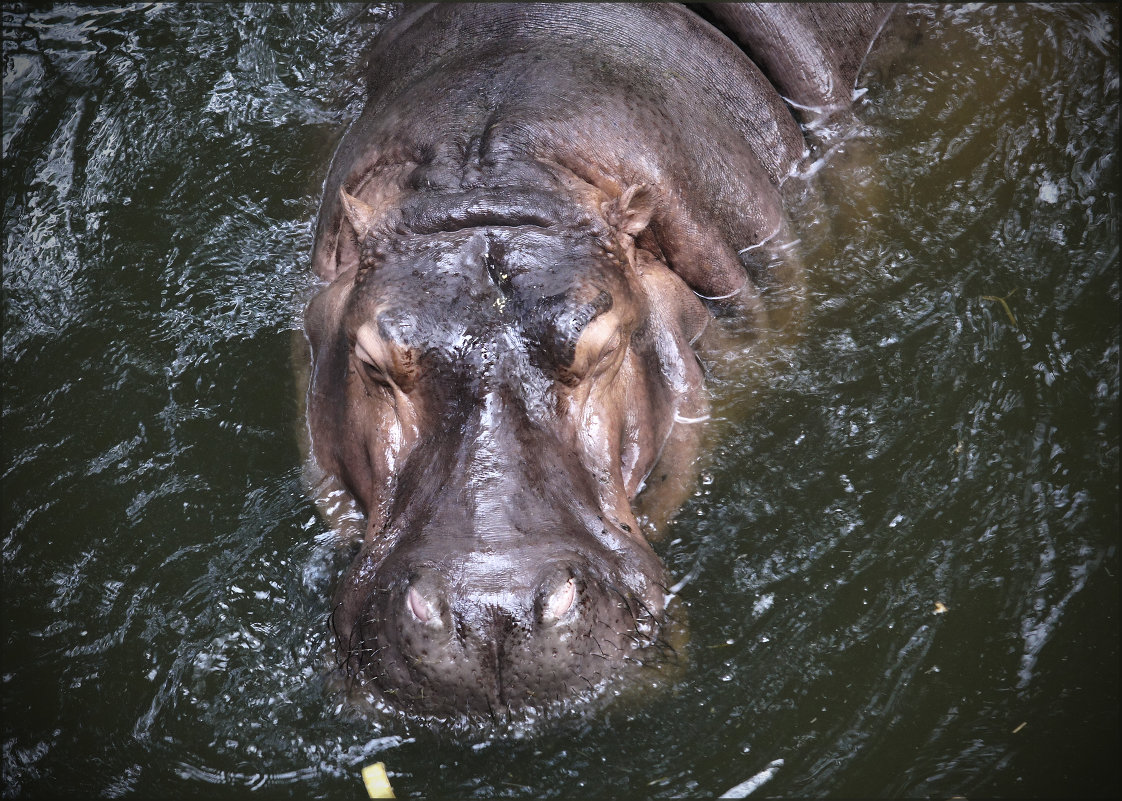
423, 609
560, 601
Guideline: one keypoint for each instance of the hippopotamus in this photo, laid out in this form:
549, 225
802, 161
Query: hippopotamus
521, 240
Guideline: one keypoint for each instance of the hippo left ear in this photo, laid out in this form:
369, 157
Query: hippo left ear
361, 216
631, 212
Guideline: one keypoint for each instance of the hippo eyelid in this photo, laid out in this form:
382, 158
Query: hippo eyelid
389, 365
599, 340
588, 314
593, 309
364, 355
370, 347
556, 323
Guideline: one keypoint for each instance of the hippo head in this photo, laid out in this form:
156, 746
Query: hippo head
494, 382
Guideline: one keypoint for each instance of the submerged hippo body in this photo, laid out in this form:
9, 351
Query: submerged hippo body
515, 235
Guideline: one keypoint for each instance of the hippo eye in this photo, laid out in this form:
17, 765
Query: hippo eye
568, 337
384, 362
599, 340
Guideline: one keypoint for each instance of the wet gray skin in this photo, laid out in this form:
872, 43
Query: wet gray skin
514, 235
507, 391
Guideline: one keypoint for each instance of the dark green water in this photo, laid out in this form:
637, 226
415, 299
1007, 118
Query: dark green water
166, 580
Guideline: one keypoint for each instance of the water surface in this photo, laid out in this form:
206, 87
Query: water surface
901, 566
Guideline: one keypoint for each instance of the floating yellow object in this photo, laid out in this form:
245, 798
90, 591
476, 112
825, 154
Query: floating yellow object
376, 781
1004, 305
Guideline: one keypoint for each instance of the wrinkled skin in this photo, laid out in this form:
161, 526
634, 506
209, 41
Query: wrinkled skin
504, 399
514, 236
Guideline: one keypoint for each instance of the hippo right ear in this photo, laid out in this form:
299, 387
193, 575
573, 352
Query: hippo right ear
631, 212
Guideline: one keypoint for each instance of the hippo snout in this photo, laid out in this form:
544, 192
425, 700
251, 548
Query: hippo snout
453, 637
